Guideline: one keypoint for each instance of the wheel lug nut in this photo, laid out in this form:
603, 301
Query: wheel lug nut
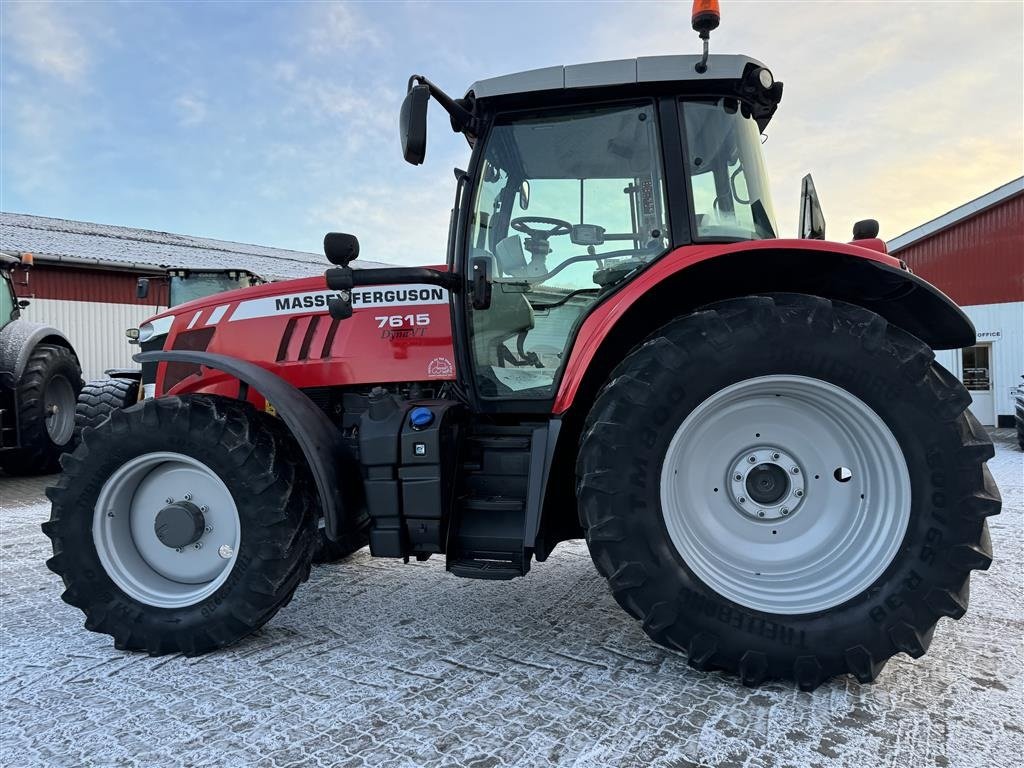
737, 476
775, 456
198, 545
760, 513
752, 459
170, 500
188, 497
785, 511
796, 470
742, 500
208, 528
177, 549
799, 493
204, 510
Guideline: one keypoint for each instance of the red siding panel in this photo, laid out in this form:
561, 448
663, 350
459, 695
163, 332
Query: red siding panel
979, 260
73, 284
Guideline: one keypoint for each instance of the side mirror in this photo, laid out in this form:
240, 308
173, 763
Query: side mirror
483, 274
142, 288
812, 220
865, 230
524, 195
412, 124
341, 248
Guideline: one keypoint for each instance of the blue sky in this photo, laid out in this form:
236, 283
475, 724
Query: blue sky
273, 123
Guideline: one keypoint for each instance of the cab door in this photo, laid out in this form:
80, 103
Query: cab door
568, 205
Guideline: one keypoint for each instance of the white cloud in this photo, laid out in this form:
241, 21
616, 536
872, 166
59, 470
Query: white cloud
338, 28
43, 38
191, 108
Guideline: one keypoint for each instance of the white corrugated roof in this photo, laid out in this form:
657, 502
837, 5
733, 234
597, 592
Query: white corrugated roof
50, 239
957, 214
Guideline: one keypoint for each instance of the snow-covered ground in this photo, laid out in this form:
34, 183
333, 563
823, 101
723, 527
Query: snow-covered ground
379, 663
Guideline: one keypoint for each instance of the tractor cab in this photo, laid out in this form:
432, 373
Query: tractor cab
582, 176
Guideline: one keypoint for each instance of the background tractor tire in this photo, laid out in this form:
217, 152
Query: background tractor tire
662, 389
46, 396
98, 399
225, 445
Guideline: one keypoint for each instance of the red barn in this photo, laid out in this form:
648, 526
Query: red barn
975, 253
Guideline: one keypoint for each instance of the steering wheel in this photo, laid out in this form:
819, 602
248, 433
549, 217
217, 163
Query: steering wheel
557, 226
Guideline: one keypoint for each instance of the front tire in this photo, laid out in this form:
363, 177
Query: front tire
181, 524
741, 564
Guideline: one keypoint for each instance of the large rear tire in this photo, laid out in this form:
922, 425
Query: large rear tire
46, 398
181, 524
786, 487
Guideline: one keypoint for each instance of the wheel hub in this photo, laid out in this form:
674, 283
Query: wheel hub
785, 494
180, 524
766, 483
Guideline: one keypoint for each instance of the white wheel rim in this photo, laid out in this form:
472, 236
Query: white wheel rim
827, 537
126, 541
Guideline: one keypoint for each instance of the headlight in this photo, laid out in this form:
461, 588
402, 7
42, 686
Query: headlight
765, 78
154, 328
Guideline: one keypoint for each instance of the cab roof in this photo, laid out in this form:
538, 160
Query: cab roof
621, 72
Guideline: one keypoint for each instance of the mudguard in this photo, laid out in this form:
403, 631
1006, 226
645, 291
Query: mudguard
17, 340
693, 276
318, 438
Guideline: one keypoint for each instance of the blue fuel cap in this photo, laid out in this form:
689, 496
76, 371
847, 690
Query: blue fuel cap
421, 418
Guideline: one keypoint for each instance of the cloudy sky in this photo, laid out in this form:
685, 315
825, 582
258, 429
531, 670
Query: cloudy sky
272, 123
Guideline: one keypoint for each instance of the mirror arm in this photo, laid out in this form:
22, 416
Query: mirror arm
462, 118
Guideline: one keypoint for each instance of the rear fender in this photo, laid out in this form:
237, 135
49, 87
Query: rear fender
694, 276
317, 437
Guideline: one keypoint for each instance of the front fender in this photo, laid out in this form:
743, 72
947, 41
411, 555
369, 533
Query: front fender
17, 340
693, 276
318, 438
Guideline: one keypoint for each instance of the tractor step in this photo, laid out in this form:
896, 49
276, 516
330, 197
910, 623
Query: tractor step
494, 570
493, 525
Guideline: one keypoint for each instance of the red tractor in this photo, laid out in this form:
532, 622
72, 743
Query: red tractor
750, 432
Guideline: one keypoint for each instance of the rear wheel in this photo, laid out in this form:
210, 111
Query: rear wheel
181, 524
98, 399
46, 410
805, 493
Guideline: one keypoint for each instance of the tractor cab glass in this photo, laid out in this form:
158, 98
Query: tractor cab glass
198, 285
725, 167
7, 303
568, 205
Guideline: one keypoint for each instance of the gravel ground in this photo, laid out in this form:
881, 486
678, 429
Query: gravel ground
379, 663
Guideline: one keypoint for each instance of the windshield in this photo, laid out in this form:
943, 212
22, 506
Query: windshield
568, 205
728, 181
199, 285
6, 299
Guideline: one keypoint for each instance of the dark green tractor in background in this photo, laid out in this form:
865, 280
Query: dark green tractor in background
40, 378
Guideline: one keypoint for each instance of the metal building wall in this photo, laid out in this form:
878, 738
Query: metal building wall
978, 260
95, 329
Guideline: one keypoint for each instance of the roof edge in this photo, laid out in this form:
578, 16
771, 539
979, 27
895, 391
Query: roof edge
958, 214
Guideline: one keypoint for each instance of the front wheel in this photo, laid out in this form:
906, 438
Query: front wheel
181, 524
804, 496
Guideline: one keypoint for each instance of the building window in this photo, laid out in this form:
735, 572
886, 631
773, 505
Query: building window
976, 368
